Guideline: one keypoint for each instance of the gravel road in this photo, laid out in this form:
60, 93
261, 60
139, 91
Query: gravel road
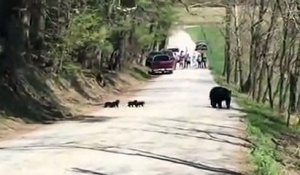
176, 133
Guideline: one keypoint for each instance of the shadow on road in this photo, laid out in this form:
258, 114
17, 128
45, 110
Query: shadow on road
210, 138
129, 152
85, 171
211, 135
91, 118
202, 123
159, 89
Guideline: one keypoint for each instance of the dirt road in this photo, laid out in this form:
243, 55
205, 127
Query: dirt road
176, 133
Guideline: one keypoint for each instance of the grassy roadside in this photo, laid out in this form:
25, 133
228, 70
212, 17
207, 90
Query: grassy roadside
275, 151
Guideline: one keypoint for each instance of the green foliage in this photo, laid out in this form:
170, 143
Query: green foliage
87, 27
99, 27
143, 36
168, 16
90, 27
263, 126
162, 13
67, 37
69, 68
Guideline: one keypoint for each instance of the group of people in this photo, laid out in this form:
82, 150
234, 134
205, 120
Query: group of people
196, 60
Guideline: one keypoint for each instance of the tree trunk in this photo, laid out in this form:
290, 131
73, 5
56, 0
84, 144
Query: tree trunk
293, 92
18, 35
227, 63
121, 57
37, 27
255, 32
235, 78
269, 84
264, 97
260, 82
281, 66
264, 53
238, 72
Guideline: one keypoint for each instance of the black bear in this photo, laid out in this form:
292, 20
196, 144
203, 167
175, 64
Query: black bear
107, 104
132, 103
112, 104
140, 103
219, 94
136, 103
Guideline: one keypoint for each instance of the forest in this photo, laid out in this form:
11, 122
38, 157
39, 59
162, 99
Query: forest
262, 54
44, 41
262, 61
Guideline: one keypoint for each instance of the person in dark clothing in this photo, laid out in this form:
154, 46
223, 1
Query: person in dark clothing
187, 61
198, 61
181, 60
203, 60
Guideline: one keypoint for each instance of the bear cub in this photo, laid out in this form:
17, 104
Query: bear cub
136, 103
113, 104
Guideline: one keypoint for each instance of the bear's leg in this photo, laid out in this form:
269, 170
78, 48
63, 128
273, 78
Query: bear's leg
228, 103
213, 104
220, 104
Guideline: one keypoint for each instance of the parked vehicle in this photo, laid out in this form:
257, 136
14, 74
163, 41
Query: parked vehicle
162, 63
176, 50
201, 46
170, 53
150, 58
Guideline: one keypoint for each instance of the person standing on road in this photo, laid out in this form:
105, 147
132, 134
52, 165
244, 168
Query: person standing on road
176, 60
198, 61
187, 61
181, 59
193, 61
203, 60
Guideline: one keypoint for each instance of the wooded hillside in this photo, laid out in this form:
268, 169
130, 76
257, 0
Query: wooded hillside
263, 52
50, 39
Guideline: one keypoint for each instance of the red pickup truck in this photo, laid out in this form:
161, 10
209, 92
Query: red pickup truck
161, 63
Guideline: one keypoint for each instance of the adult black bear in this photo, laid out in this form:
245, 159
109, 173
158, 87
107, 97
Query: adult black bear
219, 94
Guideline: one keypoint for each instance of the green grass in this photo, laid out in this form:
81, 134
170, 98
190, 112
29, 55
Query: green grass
263, 124
216, 15
212, 34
